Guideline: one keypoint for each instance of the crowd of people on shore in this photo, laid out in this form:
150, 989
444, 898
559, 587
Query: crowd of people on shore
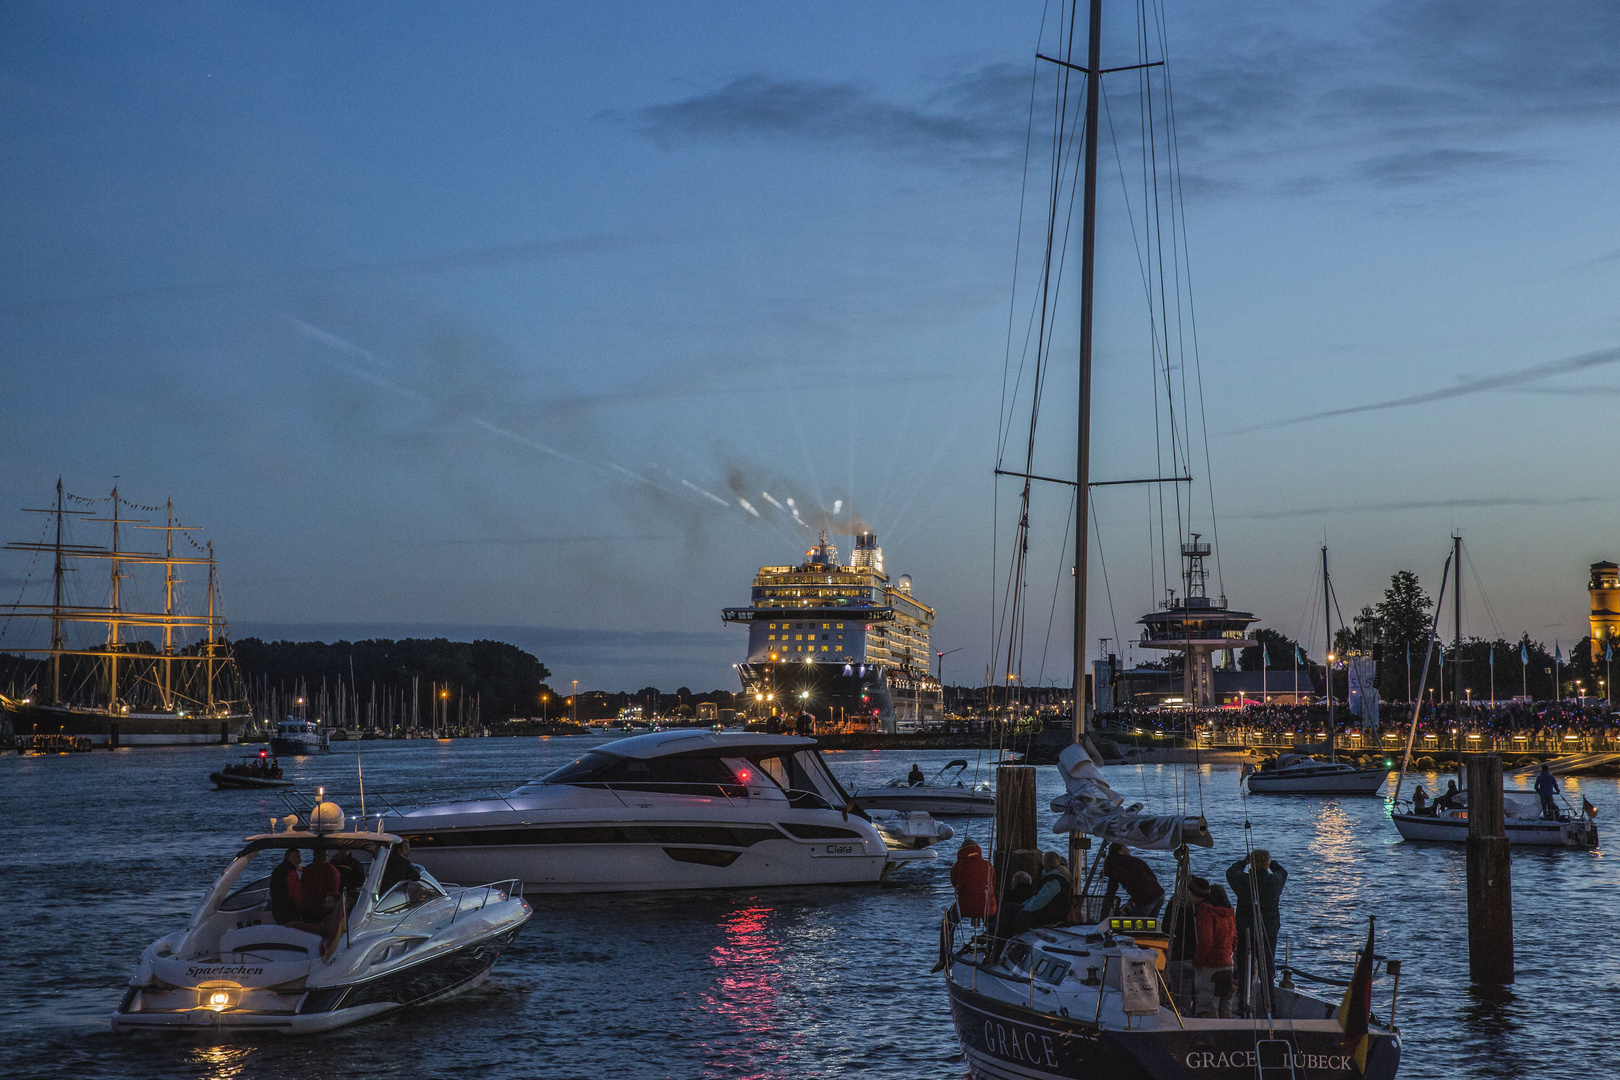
1593, 721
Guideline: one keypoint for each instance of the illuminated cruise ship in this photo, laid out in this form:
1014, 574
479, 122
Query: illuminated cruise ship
841, 643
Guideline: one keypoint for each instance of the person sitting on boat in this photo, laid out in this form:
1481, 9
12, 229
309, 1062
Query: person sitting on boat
399, 868
1213, 959
1137, 878
1266, 878
286, 901
1420, 801
974, 883
1050, 904
1010, 914
1452, 799
1547, 788
351, 875
916, 776
319, 886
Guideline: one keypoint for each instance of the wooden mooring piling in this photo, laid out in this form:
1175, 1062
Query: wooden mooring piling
1490, 877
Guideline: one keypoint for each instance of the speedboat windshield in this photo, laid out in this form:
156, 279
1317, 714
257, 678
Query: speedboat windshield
681, 774
580, 769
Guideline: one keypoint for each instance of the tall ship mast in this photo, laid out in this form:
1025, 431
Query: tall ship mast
840, 643
123, 672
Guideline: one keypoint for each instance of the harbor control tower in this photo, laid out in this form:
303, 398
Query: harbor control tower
1197, 626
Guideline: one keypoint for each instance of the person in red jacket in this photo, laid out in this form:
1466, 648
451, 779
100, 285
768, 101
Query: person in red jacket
1212, 960
318, 887
974, 883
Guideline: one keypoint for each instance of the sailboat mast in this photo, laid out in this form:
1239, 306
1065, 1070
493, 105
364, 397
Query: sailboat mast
1327, 654
112, 615
209, 648
168, 609
56, 607
1088, 266
1456, 630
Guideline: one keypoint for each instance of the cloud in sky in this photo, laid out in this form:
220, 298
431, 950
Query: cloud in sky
1398, 95
983, 114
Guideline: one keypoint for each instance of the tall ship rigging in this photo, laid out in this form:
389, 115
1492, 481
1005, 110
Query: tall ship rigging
139, 666
841, 643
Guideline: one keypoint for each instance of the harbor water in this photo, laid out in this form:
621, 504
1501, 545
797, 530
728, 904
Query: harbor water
107, 851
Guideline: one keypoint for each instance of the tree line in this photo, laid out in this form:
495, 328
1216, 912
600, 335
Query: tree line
504, 680
1395, 632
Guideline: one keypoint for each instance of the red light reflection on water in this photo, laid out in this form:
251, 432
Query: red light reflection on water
745, 994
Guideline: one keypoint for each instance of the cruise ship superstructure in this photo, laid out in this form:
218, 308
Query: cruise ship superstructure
842, 643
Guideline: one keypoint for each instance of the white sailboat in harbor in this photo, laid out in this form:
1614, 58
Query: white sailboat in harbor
1296, 774
1525, 823
1087, 999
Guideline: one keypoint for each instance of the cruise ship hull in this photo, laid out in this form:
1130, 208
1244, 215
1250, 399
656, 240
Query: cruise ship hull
836, 692
122, 729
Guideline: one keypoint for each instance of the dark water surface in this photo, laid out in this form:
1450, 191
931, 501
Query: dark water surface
105, 852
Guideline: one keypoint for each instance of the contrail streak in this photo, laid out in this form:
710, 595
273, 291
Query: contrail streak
1548, 370
1436, 504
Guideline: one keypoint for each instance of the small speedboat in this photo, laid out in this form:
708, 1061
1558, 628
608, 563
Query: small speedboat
941, 796
234, 969
1296, 774
262, 771
295, 738
673, 810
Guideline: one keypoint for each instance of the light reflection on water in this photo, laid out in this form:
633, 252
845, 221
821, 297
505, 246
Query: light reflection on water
105, 852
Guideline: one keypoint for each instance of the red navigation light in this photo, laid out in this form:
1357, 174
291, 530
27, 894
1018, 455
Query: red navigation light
264, 753
743, 775
874, 712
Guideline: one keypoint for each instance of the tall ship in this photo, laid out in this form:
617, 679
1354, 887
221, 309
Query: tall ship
142, 659
841, 643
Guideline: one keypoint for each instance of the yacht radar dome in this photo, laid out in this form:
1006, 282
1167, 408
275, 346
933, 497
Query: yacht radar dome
327, 816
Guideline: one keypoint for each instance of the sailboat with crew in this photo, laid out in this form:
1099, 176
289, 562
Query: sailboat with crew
147, 672
1088, 997
1526, 822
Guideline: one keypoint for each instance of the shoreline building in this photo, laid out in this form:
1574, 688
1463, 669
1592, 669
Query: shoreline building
1197, 626
840, 642
1604, 589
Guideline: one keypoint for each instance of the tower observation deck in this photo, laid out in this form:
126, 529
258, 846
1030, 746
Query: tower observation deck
1197, 626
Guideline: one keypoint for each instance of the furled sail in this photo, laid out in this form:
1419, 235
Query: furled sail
1092, 807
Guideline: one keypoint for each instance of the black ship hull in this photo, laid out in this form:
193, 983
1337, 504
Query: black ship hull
127, 729
835, 693
1001, 1041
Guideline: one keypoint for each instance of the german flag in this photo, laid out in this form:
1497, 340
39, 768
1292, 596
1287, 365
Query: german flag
1356, 1008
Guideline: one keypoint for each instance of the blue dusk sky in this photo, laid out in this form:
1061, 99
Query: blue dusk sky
485, 319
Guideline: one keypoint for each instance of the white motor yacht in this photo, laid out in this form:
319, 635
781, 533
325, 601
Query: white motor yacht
400, 943
672, 810
941, 795
295, 738
1296, 774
